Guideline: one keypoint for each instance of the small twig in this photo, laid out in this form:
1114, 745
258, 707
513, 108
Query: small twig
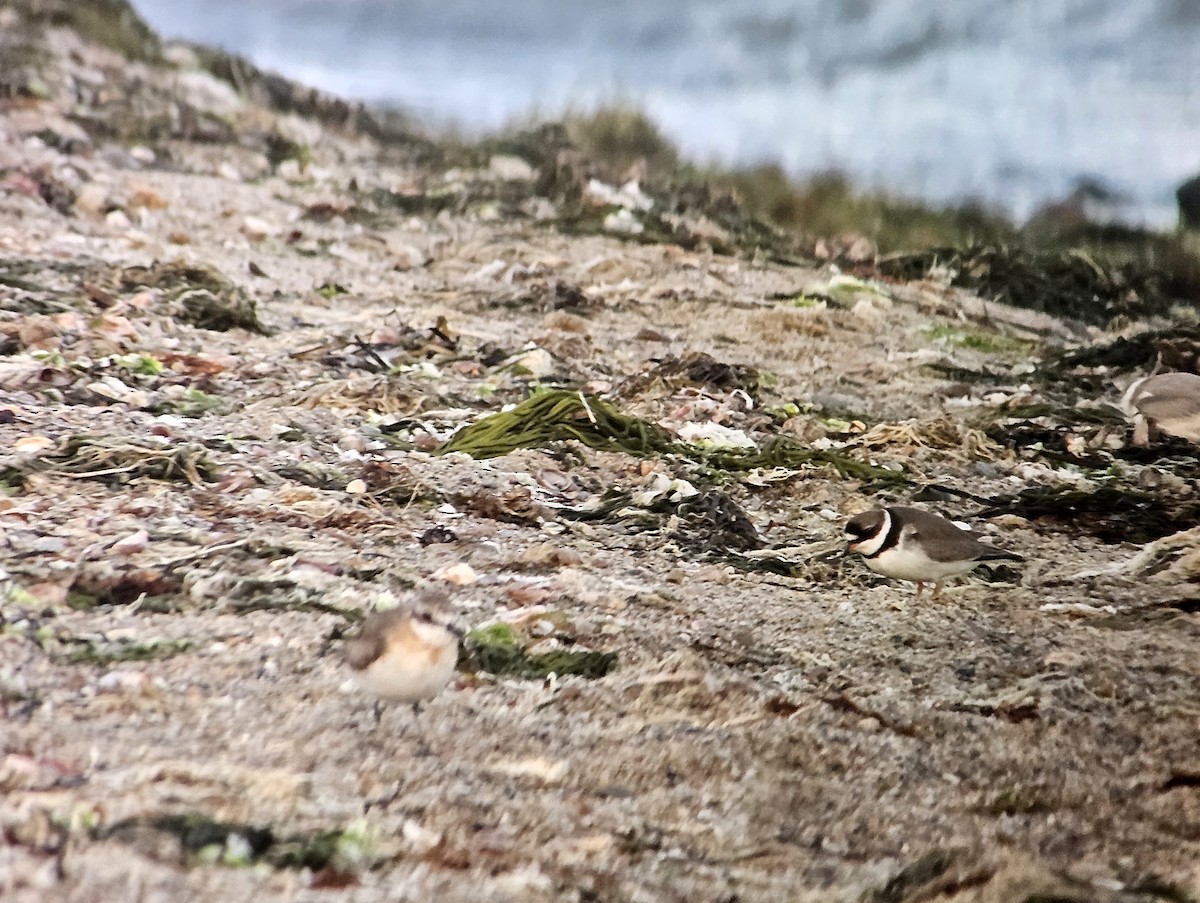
90, 474
442, 331
203, 553
587, 407
372, 354
847, 703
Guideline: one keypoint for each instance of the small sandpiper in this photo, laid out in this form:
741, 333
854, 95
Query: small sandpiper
403, 654
920, 546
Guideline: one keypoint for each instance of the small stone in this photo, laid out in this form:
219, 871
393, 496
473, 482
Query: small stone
356, 487
511, 169
147, 197
623, 222
123, 682
118, 220
867, 312
92, 199
291, 170
229, 172
548, 771
461, 574
134, 542
256, 229
536, 363
408, 258
33, 445
549, 555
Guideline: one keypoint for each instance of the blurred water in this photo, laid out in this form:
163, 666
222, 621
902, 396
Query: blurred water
1006, 101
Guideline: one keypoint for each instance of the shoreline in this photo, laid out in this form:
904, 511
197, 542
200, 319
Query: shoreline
800, 104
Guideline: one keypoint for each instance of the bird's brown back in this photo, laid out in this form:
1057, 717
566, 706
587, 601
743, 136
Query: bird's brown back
1169, 396
372, 638
944, 541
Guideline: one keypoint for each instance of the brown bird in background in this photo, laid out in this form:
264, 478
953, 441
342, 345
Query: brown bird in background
1169, 402
403, 654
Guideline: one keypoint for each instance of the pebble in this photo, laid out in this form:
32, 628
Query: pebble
118, 220
511, 169
256, 228
91, 199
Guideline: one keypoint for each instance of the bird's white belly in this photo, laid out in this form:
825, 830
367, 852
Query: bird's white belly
1187, 427
913, 564
406, 678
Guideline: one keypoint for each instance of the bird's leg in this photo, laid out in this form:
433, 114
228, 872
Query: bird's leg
422, 747
920, 586
1141, 431
378, 712
937, 590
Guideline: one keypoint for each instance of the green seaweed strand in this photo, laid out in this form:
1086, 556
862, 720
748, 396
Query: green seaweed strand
555, 415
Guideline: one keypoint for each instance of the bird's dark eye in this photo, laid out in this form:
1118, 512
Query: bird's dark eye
424, 616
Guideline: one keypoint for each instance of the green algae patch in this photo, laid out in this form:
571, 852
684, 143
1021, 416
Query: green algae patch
786, 452
978, 340
192, 403
85, 651
557, 415
494, 636
501, 649
200, 839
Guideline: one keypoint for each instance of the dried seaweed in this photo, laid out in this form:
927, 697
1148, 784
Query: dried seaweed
1105, 415
699, 369
117, 461
1136, 353
914, 876
1067, 283
1110, 513
712, 521
203, 839
96, 649
784, 451
197, 294
316, 475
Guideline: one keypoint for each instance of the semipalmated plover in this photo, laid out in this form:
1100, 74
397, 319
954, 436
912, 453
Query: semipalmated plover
1168, 401
403, 655
916, 545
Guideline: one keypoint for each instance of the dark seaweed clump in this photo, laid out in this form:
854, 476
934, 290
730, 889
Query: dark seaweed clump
1064, 283
1111, 514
